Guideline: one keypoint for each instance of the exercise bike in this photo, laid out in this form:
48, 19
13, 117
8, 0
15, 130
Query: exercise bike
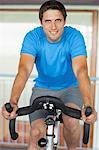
56, 107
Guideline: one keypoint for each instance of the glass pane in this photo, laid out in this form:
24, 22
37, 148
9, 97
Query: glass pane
13, 27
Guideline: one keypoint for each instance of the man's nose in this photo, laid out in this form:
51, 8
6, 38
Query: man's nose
53, 25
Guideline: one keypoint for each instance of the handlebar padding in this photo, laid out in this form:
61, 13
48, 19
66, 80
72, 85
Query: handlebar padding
13, 133
8, 107
86, 133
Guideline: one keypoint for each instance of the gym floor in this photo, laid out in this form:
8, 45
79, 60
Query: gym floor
24, 148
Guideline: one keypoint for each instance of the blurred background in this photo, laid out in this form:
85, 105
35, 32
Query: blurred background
16, 19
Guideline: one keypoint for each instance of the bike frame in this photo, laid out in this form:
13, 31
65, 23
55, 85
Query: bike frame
52, 132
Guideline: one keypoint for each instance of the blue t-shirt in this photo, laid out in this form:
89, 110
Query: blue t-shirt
54, 60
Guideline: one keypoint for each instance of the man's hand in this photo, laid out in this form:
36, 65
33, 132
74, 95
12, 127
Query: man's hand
8, 115
91, 118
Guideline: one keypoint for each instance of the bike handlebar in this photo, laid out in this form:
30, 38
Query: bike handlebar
38, 104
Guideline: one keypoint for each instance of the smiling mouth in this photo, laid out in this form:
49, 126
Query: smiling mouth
54, 32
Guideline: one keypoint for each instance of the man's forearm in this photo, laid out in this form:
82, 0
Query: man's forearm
25, 67
18, 87
85, 88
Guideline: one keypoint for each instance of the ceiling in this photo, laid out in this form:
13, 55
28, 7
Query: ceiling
35, 2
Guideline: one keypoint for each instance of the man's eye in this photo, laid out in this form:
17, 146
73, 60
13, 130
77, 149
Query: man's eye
58, 20
47, 21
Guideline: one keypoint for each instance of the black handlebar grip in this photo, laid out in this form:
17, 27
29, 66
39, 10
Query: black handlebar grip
13, 133
8, 107
88, 111
87, 126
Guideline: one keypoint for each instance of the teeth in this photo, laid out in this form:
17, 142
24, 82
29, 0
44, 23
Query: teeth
53, 33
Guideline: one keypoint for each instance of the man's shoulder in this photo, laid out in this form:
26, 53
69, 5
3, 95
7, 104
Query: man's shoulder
36, 32
70, 30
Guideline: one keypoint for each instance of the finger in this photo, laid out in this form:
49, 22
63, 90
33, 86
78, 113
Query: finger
8, 115
83, 115
84, 118
13, 115
5, 114
91, 119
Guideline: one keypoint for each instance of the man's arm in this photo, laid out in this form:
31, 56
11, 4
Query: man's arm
81, 72
25, 67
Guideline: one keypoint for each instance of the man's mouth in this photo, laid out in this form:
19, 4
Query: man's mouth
54, 32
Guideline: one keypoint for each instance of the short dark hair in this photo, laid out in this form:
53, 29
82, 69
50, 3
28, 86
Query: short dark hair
52, 4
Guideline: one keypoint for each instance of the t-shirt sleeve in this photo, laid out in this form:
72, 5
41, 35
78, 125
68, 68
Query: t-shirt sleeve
77, 45
29, 45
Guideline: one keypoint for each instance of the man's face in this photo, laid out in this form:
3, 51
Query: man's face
53, 24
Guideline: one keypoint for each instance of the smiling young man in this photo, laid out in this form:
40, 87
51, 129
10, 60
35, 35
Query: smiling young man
59, 53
